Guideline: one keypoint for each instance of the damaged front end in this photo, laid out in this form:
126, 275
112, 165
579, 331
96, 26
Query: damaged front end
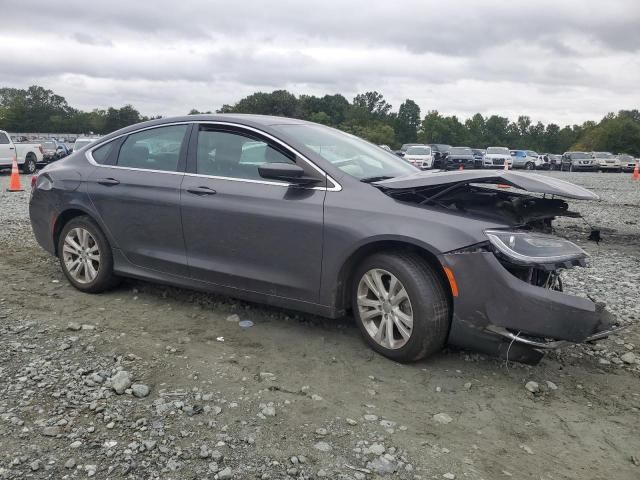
510, 298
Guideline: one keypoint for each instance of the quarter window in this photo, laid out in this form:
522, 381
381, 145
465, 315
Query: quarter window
234, 155
4, 140
101, 154
156, 149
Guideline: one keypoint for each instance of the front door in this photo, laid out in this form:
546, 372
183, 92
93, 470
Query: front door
136, 191
242, 231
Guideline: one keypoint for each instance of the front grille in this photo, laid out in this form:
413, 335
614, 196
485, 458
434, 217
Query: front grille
498, 161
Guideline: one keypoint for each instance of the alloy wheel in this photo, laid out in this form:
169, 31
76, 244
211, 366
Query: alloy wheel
385, 308
81, 255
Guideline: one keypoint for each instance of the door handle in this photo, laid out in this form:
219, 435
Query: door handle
108, 181
201, 191
11, 148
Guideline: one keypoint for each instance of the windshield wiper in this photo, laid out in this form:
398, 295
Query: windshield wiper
375, 179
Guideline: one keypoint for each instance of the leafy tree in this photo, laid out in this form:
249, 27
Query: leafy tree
407, 122
373, 103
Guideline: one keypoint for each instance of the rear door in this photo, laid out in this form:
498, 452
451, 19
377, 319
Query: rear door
135, 188
245, 232
7, 149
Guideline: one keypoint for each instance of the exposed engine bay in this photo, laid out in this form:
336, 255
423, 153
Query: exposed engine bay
517, 209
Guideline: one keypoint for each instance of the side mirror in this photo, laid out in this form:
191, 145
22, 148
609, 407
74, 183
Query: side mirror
287, 172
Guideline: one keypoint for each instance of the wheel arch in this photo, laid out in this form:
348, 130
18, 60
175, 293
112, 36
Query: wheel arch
347, 270
62, 219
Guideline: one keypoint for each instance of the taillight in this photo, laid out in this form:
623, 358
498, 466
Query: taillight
34, 180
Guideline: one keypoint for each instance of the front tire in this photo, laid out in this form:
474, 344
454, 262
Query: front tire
401, 306
529, 166
85, 256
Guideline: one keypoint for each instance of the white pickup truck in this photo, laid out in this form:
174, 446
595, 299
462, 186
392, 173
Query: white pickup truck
28, 154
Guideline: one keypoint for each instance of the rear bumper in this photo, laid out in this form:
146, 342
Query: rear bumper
493, 307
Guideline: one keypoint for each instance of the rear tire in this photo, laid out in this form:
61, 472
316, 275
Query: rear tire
529, 166
425, 301
29, 165
85, 256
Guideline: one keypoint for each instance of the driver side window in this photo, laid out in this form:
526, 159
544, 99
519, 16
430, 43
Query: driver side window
222, 153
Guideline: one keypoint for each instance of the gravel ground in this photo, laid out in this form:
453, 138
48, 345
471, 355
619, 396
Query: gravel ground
156, 382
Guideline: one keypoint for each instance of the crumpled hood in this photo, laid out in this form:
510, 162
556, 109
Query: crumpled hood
530, 182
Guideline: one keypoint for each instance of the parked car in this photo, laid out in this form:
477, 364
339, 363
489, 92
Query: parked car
320, 221
627, 162
404, 147
53, 150
545, 162
419, 156
478, 155
577, 161
438, 151
458, 157
527, 159
496, 156
607, 162
27, 154
554, 161
82, 142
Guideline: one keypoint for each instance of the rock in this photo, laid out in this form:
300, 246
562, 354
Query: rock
51, 431
371, 418
527, 449
442, 418
139, 390
376, 449
233, 318
382, 466
35, 465
467, 386
322, 473
628, 358
322, 446
449, 476
70, 463
321, 431
76, 444
120, 381
149, 444
551, 385
225, 474
351, 421
74, 326
315, 397
533, 387
216, 456
269, 411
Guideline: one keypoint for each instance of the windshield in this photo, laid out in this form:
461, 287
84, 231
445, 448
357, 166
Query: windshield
499, 150
348, 153
602, 155
579, 156
418, 151
461, 151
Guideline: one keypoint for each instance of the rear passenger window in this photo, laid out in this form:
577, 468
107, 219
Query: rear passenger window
101, 154
155, 149
233, 155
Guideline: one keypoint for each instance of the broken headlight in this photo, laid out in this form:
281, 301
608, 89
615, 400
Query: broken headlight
526, 248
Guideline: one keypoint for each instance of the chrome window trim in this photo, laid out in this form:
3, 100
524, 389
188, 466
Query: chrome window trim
336, 186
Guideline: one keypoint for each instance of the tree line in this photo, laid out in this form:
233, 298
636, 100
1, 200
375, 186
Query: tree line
367, 115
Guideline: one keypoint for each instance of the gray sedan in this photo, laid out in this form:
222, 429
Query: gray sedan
303, 216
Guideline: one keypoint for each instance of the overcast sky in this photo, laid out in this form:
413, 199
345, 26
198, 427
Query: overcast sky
564, 61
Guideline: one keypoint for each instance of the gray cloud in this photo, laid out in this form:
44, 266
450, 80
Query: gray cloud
459, 57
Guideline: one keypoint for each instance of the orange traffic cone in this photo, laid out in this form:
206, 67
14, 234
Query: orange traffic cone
14, 181
636, 172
